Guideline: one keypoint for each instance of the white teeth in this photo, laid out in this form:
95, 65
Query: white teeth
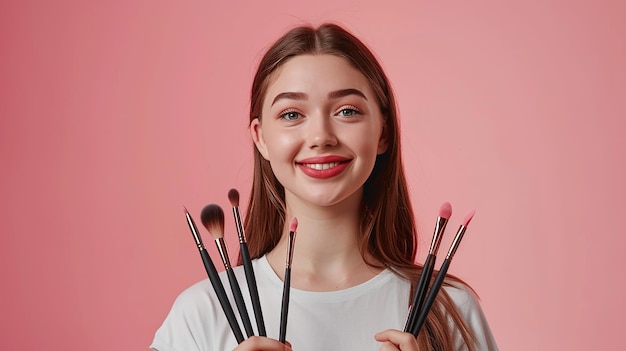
321, 166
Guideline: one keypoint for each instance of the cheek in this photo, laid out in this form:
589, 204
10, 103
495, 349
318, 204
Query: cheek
370, 145
372, 154
281, 146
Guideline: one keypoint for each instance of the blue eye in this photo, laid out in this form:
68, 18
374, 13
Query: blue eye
290, 116
348, 112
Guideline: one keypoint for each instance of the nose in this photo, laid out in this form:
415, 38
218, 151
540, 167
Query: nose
320, 132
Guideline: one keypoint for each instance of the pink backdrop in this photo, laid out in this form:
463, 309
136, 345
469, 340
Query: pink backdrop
114, 114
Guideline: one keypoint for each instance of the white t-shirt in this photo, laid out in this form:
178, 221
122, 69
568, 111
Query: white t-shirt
343, 320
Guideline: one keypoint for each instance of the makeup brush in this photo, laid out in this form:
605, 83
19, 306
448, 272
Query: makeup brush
212, 217
287, 281
215, 279
427, 271
233, 197
434, 290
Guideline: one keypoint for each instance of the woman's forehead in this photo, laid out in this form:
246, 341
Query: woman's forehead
311, 74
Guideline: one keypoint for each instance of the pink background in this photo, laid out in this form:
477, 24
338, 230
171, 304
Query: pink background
115, 114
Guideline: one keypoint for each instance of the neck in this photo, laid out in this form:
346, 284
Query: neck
326, 252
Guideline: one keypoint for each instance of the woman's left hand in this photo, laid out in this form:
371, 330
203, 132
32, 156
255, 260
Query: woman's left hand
394, 340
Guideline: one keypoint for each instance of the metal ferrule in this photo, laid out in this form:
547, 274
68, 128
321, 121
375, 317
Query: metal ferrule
239, 225
456, 242
440, 226
221, 248
194, 231
290, 245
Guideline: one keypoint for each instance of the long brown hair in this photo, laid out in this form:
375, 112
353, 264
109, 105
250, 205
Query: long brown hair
388, 236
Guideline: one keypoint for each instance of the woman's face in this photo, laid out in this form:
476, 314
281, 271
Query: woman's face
321, 129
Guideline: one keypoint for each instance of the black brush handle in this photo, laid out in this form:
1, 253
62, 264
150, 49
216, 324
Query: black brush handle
285, 306
221, 294
420, 291
252, 287
432, 295
241, 305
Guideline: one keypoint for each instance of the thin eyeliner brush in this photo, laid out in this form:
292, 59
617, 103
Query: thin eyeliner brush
233, 197
434, 290
212, 217
287, 281
215, 279
422, 286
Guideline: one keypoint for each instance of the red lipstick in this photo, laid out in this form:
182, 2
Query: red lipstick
323, 166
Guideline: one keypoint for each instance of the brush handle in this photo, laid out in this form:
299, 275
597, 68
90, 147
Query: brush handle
241, 305
221, 294
252, 287
432, 295
285, 306
420, 291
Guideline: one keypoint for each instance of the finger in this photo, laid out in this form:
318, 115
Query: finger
259, 343
404, 341
388, 346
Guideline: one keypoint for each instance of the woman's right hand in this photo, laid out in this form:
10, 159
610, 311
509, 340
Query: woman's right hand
260, 343
395, 340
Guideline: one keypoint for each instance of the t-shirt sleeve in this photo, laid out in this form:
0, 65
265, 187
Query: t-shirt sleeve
186, 326
469, 308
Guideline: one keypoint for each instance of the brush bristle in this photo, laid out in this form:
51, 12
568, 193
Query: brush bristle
293, 225
468, 218
185, 209
446, 210
233, 197
212, 217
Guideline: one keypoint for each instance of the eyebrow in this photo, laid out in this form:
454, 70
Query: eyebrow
346, 92
290, 96
332, 95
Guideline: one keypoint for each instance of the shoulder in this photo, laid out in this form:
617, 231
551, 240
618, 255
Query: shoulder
192, 322
468, 306
464, 298
196, 294
194, 306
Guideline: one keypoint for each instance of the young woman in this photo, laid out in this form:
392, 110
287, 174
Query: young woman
327, 151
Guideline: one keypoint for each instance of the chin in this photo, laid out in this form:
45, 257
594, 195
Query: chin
326, 199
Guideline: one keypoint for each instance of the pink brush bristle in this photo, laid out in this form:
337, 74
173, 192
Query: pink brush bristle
446, 210
468, 218
293, 225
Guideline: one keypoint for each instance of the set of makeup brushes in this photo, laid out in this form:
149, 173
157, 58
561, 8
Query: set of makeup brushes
212, 217
424, 298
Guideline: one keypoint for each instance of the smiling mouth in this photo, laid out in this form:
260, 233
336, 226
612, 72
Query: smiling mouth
321, 166
328, 168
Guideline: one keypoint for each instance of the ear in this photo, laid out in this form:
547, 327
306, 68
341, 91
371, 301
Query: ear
256, 132
383, 142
